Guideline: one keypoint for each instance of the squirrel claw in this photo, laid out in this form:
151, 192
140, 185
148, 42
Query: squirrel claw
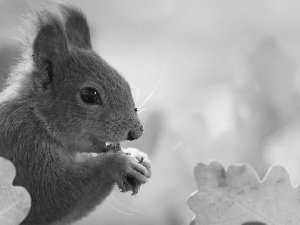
135, 189
135, 170
130, 183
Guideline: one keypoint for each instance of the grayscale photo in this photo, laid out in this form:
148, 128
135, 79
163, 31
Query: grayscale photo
163, 112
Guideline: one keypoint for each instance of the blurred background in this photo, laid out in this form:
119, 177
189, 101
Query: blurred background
213, 80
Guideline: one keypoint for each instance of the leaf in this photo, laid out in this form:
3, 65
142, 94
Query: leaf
15, 201
238, 197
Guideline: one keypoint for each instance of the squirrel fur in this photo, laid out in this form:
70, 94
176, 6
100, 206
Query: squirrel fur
62, 102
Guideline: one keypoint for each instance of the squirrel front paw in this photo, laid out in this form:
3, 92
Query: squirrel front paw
130, 169
143, 160
140, 156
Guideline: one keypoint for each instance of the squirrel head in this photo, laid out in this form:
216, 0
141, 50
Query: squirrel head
81, 99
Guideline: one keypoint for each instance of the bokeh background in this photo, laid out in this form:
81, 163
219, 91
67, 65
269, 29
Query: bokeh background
213, 80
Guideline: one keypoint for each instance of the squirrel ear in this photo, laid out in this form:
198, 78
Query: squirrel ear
77, 28
49, 46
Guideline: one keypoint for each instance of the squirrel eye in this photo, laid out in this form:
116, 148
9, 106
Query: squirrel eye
90, 96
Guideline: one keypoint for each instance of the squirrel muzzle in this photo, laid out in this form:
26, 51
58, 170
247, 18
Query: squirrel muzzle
136, 132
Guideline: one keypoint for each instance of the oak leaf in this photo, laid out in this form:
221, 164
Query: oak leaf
238, 197
15, 201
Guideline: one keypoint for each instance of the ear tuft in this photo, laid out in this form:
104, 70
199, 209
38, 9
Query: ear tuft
49, 46
50, 43
77, 28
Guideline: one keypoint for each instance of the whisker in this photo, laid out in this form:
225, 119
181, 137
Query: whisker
147, 116
149, 107
137, 95
152, 92
124, 213
140, 112
123, 205
150, 114
18, 30
155, 87
18, 39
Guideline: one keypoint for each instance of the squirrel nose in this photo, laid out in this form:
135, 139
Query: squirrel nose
135, 134
131, 136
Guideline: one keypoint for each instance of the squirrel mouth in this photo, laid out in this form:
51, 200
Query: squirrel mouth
103, 148
112, 147
100, 146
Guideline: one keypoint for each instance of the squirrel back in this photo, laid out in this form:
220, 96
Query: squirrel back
62, 100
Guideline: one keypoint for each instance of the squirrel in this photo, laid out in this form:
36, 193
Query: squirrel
63, 113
